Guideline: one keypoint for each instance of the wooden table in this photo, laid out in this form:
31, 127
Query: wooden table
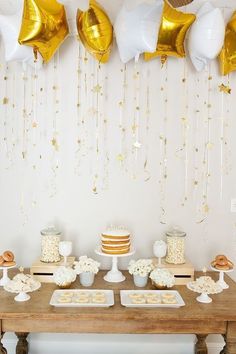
37, 315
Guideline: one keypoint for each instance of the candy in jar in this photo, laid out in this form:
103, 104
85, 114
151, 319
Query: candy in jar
50, 245
175, 246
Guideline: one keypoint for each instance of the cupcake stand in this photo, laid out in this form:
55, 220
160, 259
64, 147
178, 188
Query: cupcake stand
5, 279
114, 275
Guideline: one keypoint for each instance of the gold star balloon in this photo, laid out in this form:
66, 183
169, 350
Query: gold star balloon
172, 31
44, 26
95, 31
227, 55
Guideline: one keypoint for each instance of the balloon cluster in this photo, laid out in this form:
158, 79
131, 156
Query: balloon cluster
154, 28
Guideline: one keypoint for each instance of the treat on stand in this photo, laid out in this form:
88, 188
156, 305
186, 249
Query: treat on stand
22, 284
64, 277
7, 259
204, 285
221, 262
115, 241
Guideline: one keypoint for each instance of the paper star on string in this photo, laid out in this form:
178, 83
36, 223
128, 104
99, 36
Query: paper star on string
204, 269
5, 100
21, 269
137, 145
97, 89
225, 89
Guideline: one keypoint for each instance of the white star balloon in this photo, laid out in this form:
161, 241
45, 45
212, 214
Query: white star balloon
206, 36
136, 29
9, 30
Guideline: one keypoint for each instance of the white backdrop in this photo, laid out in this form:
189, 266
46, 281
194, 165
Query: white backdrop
51, 171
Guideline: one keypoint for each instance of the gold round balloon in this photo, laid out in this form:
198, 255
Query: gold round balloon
95, 31
172, 31
44, 26
227, 55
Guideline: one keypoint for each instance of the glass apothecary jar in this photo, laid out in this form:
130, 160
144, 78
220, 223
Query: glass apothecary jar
175, 239
50, 239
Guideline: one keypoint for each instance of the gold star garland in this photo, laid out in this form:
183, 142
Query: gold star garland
5, 103
208, 145
163, 174
185, 128
197, 134
147, 175
225, 91
54, 139
136, 145
105, 122
122, 109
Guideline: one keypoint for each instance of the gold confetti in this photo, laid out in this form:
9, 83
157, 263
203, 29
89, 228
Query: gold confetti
120, 157
206, 208
55, 144
134, 128
5, 100
225, 89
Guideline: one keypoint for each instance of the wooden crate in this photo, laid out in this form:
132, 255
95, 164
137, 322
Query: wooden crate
43, 272
183, 273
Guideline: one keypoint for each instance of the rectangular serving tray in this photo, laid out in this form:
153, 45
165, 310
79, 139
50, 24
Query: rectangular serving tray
127, 302
109, 294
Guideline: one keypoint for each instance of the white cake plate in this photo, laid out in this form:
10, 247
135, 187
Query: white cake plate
5, 279
114, 275
221, 280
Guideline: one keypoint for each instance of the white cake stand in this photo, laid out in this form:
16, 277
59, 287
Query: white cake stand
114, 275
5, 279
221, 280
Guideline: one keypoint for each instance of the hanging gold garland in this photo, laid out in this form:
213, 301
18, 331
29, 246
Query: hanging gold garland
147, 174
163, 174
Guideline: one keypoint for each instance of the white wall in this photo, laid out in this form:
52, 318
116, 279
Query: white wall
49, 186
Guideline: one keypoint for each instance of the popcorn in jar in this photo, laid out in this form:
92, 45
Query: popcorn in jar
175, 246
50, 245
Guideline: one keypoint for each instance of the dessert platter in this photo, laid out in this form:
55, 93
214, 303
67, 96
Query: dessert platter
6, 262
22, 284
82, 298
205, 286
151, 298
222, 265
115, 243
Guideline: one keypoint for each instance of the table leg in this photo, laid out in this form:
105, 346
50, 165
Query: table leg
230, 339
2, 349
200, 346
22, 346
223, 351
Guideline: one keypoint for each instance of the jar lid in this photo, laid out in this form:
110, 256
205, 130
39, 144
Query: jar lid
50, 231
175, 233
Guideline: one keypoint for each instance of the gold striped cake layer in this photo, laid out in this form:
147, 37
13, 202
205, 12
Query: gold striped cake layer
116, 248
116, 251
116, 237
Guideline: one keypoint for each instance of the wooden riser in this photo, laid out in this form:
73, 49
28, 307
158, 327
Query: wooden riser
43, 272
183, 273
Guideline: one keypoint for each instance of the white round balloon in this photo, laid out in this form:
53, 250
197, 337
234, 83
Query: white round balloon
136, 30
9, 30
206, 36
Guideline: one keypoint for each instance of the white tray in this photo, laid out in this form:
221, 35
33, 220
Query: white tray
109, 294
126, 300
